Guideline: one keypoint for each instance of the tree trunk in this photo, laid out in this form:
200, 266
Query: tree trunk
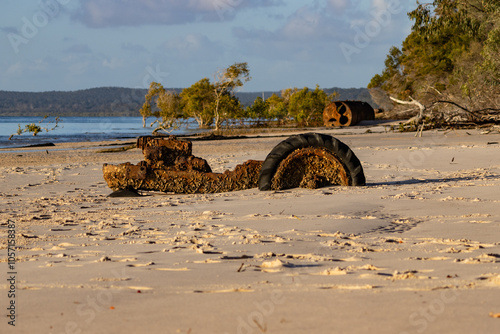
217, 113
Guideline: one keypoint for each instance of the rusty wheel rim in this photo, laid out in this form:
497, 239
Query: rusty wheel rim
310, 167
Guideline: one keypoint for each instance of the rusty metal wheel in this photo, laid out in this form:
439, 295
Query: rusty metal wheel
310, 160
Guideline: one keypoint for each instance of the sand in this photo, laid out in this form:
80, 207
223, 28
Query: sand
415, 251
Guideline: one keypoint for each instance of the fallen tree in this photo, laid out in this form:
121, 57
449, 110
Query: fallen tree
430, 116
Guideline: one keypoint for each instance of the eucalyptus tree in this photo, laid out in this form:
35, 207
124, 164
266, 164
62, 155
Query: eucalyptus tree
226, 83
450, 60
164, 105
307, 106
198, 102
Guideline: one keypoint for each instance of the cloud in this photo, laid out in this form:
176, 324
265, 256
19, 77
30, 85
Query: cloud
9, 30
338, 5
305, 23
382, 5
192, 47
21, 67
306, 48
135, 48
318, 27
105, 13
78, 48
79, 68
16, 68
306, 35
113, 63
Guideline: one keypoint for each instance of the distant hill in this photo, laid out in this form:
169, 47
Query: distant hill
114, 101
106, 101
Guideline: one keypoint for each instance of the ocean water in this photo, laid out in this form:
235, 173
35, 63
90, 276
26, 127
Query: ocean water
77, 129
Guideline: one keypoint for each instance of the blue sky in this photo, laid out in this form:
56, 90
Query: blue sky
77, 44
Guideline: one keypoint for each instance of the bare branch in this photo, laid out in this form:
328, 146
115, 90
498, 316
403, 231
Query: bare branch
472, 113
417, 119
437, 91
413, 102
487, 109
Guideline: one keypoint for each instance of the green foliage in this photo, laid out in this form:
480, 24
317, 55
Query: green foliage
277, 108
208, 103
114, 101
34, 128
392, 75
258, 110
155, 89
198, 102
164, 105
307, 106
304, 106
232, 77
229, 108
170, 112
226, 82
452, 50
216, 103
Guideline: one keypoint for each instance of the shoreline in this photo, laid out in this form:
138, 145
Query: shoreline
71, 135
415, 250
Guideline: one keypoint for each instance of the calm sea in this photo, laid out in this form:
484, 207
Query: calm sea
77, 129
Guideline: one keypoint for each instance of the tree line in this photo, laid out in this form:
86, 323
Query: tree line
116, 101
448, 67
214, 103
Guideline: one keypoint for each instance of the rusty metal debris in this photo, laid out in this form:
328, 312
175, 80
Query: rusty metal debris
309, 168
347, 113
309, 160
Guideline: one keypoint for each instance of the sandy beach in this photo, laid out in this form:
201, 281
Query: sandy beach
416, 250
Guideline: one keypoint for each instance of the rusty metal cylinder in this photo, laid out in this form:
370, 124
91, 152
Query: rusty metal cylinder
347, 113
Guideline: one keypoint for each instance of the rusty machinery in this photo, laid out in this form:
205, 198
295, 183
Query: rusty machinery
310, 160
347, 113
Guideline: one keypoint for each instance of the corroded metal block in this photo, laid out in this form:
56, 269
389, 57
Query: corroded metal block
245, 176
180, 146
169, 166
192, 163
124, 176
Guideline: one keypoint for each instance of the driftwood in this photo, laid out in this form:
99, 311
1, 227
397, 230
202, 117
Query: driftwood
474, 114
418, 118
